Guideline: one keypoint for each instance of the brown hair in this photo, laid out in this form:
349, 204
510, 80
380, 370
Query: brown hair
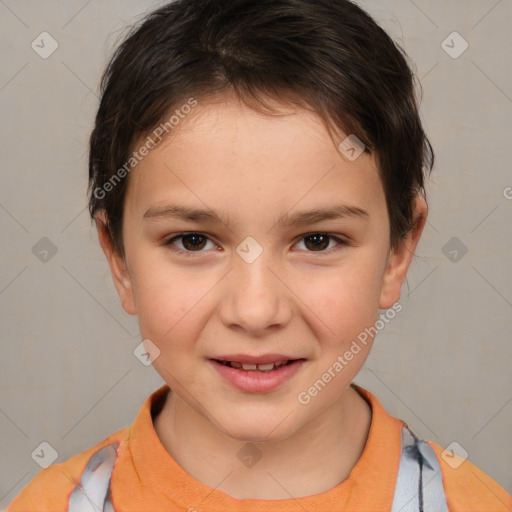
326, 55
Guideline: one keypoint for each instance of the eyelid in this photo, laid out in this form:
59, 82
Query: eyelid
168, 242
341, 241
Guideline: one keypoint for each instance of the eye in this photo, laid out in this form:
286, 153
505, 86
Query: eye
319, 242
195, 243
191, 242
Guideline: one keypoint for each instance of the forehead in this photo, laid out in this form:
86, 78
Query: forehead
225, 154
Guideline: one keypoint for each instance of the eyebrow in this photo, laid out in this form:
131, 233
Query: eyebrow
211, 216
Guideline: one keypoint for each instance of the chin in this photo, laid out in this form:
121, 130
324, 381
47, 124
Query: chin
257, 429
251, 435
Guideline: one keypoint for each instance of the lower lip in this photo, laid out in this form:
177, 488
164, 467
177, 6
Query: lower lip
257, 381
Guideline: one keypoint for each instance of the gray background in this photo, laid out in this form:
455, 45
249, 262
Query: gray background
69, 376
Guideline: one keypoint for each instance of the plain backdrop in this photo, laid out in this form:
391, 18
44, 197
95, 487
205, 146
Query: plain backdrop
68, 373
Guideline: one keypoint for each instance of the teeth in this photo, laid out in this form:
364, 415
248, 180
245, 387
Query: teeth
267, 367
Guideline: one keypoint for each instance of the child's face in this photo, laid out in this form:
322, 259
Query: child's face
302, 298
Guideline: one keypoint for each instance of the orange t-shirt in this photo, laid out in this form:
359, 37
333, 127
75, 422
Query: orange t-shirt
146, 478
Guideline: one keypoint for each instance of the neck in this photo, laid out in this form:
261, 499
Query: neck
330, 446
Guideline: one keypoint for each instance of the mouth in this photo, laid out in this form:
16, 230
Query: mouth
250, 367
257, 374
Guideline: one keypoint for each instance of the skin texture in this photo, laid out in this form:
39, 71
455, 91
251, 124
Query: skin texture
293, 299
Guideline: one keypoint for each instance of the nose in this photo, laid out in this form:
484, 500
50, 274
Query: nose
255, 300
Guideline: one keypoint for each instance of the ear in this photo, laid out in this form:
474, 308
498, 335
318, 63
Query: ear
400, 258
118, 267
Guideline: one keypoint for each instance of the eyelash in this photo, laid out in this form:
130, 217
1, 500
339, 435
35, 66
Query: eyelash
169, 242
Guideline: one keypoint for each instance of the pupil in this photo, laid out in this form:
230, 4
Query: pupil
186, 239
319, 241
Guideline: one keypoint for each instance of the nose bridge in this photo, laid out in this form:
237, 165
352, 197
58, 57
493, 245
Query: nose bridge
252, 275
255, 298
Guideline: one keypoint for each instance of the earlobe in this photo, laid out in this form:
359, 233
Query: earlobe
401, 256
118, 268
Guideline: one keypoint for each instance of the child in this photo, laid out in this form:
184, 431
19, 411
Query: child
257, 182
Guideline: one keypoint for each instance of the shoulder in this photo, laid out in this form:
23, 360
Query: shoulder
51, 488
467, 487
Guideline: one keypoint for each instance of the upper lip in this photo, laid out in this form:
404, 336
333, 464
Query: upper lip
262, 359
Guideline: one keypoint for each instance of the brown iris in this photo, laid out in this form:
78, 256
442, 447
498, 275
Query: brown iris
193, 241
318, 240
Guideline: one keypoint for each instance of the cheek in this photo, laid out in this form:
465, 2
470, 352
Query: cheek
344, 300
169, 314
168, 298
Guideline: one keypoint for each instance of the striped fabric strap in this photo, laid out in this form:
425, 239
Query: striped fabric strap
92, 494
419, 485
